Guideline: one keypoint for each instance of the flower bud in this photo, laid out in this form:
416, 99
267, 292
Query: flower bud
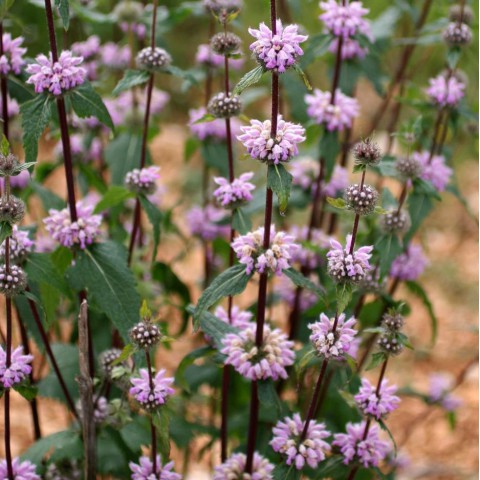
12, 283
12, 210
145, 335
8, 164
457, 34
153, 59
390, 343
395, 222
367, 153
106, 360
224, 106
394, 321
408, 167
361, 200
225, 43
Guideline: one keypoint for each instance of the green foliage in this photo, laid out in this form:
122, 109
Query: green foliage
186, 362
241, 221
131, 78
377, 359
5, 231
302, 281
64, 11
268, 397
161, 420
279, 181
344, 295
215, 328
388, 247
114, 196
337, 203
249, 79
155, 218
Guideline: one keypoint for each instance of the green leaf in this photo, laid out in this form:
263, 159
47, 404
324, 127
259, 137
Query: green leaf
337, 202
268, 397
388, 248
452, 420
48, 198
86, 102
332, 467
170, 282
161, 420
241, 222
5, 231
386, 429
285, 472
21, 168
215, 154
64, 11
4, 146
36, 114
417, 290
188, 360
127, 351
329, 148
215, 328
102, 269
250, 78
155, 217
302, 281
28, 392
302, 75
232, 281
377, 359
114, 196
208, 117
130, 79
344, 295
40, 268
280, 182
178, 72
191, 146
4, 7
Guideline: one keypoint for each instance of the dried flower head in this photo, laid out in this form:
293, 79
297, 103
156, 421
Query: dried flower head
367, 153
259, 363
377, 404
262, 146
224, 106
311, 450
390, 342
372, 283
151, 398
232, 195
144, 470
12, 209
153, 59
8, 164
410, 264
408, 167
457, 34
12, 282
234, 468
143, 181
461, 13
225, 43
361, 199
395, 221
393, 320
17, 371
145, 335
25, 470
223, 9
344, 266
330, 343
106, 359
20, 246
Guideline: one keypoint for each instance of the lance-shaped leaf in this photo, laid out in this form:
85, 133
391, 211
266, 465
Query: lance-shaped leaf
86, 102
64, 11
161, 420
302, 281
130, 79
155, 217
337, 203
230, 282
250, 78
280, 182
114, 196
241, 222
344, 295
302, 75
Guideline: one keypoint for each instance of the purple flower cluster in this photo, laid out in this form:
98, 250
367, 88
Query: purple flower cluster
277, 51
215, 129
19, 367
20, 245
311, 450
260, 145
304, 171
344, 20
143, 180
409, 265
344, 266
435, 170
21, 470
308, 254
204, 222
206, 57
335, 116
259, 363
144, 470
350, 48
249, 250
234, 468
115, 56
83, 232
368, 452
332, 344
446, 91
79, 150
239, 318
338, 182
231, 195
377, 405
56, 77
439, 389
147, 397
87, 49
12, 58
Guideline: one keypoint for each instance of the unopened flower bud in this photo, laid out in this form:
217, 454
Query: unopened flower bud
153, 59
393, 321
145, 335
457, 34
12, 210
390, 343
361, 200
128, 11
225, 43
106, 360
408, 167
224, 106
367, 153
8, 164
395, 222
12, 283
456, 14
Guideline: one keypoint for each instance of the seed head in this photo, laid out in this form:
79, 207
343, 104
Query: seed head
394, 321
128, 11
11, 210
8, 164
12, 283
225, 43
145, 335
457, 34
408, 167
367, 153
456, 15
153, 59
395, 222
224, 106
390, 343
106, 360
361, 200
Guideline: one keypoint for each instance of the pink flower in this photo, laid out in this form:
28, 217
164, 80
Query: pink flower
145, 395
277, 51
350, 49
204, 222
12, 58
144, 470
409, 265
434, 170
446, 92
19, 367
56, 77
234, 468
377, 406
21, 470
439, 392
231, 195
115, 56
143, 180
20, 245
344, 20
287, 291
87, 49
336, 116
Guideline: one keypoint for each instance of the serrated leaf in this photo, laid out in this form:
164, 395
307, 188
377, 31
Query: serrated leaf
302, 75
388, 248
28, 392
232, 281
377, 359
302, 281
131, 78
41, 269
344, 295
21, 168
114, 196
250, 78
241, 222
86, 102
161, 420
337, 203
417, 290
64, 11
280, 182
5, 231
102, 269
155, 217
36, 114
4, 146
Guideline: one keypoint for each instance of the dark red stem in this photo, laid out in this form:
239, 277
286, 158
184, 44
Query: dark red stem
152, 426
